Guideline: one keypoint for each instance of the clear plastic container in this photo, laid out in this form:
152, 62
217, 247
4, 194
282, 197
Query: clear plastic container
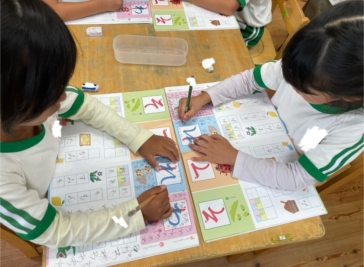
136, 49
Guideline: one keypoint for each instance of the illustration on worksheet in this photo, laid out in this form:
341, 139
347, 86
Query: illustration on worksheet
92, 188
187, 132
134, 9
173, 103
182, 15
170, 174
179, 225
222, 212
203, 175
131, 11
83, 145
114, 101
145, 106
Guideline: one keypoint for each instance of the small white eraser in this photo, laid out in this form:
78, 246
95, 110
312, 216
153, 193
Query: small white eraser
191, 81
207, 64
120, 221
94, 31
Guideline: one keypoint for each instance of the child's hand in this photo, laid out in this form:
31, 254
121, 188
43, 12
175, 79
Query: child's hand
215, 148
112, 5
159, 208
196, 103
159, 146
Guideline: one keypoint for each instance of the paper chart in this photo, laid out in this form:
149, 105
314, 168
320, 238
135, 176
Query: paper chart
132, 11
95, 171
182, 15
226, 206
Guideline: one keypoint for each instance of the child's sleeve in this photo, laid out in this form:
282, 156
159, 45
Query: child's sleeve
268, 75
286, 176
34, 219
341, 146
81, 106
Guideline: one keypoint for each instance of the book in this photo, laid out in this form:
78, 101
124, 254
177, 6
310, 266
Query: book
95, 171
226, 206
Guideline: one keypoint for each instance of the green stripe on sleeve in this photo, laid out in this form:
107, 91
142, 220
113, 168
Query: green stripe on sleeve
311, 169
258, 77
336, 157
344, 160
42, 226
76, 105
21, 213
14, 223
242, 4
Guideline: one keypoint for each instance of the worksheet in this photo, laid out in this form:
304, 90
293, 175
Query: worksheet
95, 171
182, 15
226, 206
132, 11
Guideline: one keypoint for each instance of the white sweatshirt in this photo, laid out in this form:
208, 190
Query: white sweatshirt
27, 168
342, 144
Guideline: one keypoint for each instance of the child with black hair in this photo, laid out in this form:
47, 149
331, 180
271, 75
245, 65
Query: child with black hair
319, 97
38, 59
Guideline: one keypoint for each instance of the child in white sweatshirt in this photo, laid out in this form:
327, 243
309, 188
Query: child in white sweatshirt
319, 88
38, 59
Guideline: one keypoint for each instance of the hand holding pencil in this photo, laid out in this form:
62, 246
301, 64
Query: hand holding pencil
195, 104
154, 203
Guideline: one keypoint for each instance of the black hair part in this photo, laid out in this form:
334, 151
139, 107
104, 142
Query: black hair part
327, 55
38, 57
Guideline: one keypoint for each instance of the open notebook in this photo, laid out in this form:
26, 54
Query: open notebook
224, 205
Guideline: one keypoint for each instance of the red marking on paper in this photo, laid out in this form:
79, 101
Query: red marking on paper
154, 103
212, 215
195, 168
162, 20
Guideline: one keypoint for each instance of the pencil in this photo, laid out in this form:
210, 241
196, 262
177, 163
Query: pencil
146, 202
189, 97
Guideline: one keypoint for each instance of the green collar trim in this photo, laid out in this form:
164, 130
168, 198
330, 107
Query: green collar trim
330, 109
12, 147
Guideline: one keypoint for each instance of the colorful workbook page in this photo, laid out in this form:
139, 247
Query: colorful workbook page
116, 176
182, 15
132, 11
226, 206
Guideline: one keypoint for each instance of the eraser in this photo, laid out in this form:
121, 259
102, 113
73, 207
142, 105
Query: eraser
94, 31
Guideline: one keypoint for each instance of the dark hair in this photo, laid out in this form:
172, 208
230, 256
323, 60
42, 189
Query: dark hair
38, 57
327, 55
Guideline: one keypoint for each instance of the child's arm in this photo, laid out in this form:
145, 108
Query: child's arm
81, 106
76, 10
225, 7
288, 176
34, 219
229, 89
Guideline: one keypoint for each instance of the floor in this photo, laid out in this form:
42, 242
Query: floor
342, 245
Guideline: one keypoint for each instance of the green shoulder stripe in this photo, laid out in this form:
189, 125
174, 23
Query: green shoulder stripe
21, 213
76, 105
258, 77
42, 226
311, 168
342, 154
